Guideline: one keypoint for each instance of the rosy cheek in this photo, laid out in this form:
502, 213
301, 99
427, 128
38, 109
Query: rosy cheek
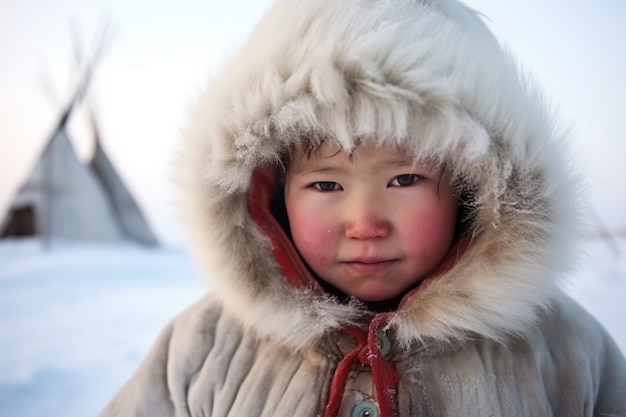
432, 233
313, 235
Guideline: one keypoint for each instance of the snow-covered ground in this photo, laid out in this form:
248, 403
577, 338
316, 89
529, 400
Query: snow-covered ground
76, 320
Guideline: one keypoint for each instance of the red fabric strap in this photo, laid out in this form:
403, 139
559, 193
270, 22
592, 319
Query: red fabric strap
366, 353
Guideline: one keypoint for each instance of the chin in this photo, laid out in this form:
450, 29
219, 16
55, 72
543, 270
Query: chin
376, 296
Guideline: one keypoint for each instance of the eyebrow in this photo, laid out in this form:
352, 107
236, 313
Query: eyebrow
311, 168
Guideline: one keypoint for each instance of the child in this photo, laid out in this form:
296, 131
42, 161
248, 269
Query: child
384, 211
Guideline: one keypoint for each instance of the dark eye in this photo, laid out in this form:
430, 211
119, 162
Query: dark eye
405, 180
326, 186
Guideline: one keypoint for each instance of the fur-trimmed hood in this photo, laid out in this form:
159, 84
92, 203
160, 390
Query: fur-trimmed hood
426, 74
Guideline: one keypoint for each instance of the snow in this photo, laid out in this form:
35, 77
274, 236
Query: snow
77, 319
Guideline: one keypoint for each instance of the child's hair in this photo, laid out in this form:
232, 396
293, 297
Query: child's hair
467, 209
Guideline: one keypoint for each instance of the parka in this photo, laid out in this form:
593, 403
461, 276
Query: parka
489, 333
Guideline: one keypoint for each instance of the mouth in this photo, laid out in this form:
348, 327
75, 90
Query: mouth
369, 265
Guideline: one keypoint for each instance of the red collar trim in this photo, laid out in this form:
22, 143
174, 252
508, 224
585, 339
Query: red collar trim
289, 260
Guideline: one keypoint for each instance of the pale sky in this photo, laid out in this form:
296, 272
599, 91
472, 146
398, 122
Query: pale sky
162, 51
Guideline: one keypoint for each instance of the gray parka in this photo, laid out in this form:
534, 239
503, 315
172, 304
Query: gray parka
488, 334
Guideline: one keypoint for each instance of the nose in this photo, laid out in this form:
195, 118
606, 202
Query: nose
366, 221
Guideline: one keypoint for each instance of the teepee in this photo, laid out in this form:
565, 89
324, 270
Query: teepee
130, 219
67, 199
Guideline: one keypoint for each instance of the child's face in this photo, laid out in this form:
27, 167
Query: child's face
371, 224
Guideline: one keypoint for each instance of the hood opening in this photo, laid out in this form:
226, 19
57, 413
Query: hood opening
267, 207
